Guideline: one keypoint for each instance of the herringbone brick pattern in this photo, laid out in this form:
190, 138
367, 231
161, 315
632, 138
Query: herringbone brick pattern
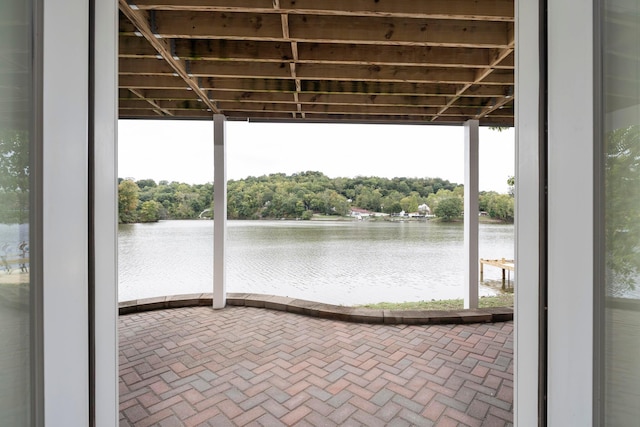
246, 366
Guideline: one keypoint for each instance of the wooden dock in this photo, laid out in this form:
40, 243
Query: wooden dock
504, 264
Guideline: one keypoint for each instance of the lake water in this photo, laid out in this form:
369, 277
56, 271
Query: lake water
327, 261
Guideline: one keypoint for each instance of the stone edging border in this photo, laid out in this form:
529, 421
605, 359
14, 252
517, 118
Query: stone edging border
325, 311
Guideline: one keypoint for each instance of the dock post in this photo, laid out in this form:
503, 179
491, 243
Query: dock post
503, 279
481, 271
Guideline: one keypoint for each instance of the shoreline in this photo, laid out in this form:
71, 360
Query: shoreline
331, 218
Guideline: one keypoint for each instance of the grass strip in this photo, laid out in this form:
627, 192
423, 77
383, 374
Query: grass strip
502, 300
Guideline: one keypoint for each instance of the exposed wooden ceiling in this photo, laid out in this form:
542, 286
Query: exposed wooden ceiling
381, 61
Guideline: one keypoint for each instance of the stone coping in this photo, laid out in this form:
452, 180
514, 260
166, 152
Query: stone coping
325, 311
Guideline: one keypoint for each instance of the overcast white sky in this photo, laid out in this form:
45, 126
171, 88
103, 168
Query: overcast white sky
183, 151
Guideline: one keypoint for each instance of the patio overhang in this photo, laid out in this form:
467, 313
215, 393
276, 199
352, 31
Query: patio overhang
400, 61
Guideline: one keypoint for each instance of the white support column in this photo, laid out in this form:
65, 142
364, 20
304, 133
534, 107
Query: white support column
105, 196
570, 211
527, 214
471, 213
219, 211
64, 213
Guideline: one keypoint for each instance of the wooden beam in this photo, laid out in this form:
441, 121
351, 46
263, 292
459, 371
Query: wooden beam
153, 103
487, 75
138, 66
315, 53
284, 18
134, 46
150, 114
497, 105
140, 20
207, 49
382, 73
377, 87
373, 99
496, 10
250, 96
151, 82
400, 119
324, 98
315, 86
370, 110
142, 112
166, 105
433, 56
333, 29
359, 118
331, 109
206, 68
257, 107
417, 32
158, 94
229, 26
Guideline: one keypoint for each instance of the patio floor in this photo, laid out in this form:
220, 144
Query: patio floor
249, 366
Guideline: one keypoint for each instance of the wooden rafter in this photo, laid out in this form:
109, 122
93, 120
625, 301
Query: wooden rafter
310, 53
284, 18
481, 75
410, 61
140, 95
497, 10
339, 29
140, 20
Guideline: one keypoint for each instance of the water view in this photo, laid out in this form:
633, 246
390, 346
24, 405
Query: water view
337, 262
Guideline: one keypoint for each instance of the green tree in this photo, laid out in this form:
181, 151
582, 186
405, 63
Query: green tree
150, 211
434, 199
449, 208
484, 199
128, 192
143, 183
501, 207
410, 203
291, 196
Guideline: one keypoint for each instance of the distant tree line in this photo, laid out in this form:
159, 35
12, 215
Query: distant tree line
300, 196
148, 201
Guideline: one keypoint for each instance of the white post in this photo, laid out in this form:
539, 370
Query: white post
471, 213
527, 212
219, 211
63, 214
105, 100
572, 133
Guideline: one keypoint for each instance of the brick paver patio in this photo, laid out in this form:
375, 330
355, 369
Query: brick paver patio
249, 366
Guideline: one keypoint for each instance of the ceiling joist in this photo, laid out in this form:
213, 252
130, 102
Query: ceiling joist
407, 61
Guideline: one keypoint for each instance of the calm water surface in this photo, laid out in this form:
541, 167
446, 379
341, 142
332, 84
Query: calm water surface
333, 262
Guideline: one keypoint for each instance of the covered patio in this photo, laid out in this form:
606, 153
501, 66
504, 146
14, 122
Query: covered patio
400, 62
396, 62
